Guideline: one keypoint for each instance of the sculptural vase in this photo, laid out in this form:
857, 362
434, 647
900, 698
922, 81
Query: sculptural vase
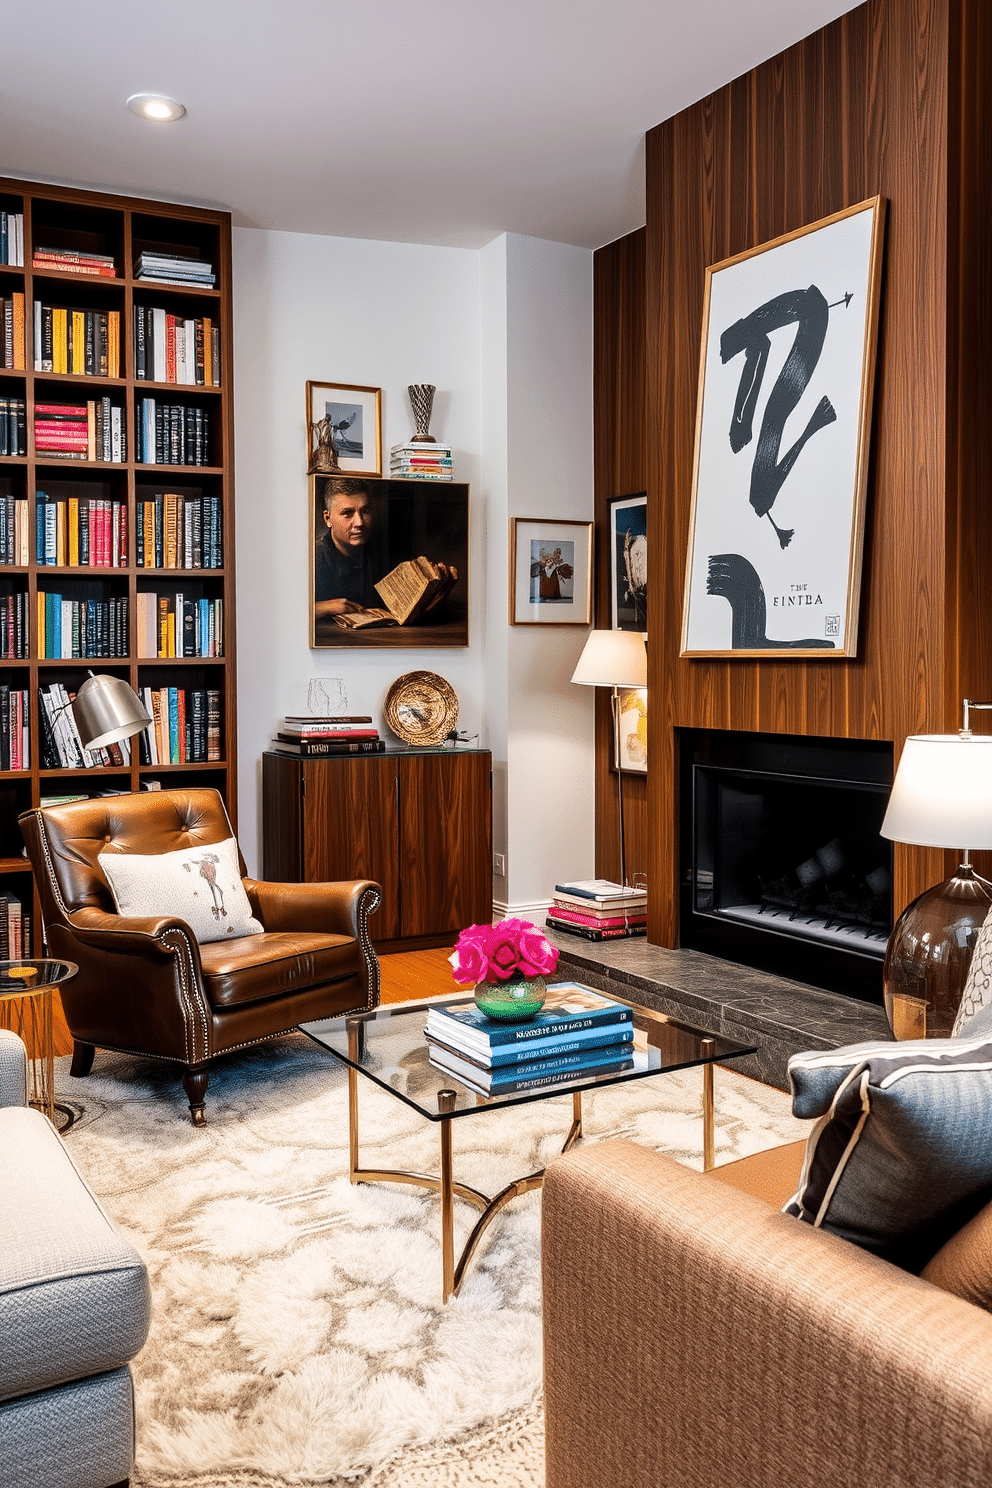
513, 1000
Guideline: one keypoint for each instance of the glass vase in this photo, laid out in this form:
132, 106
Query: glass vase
511, 1001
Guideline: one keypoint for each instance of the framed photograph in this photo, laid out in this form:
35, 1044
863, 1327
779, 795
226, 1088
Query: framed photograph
630, 747
550, 571
389, 562
344, 429
782, 433
627, 524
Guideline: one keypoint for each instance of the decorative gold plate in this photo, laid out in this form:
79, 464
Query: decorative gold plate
421, 708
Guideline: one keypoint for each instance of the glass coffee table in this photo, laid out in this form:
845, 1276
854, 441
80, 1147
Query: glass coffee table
388, 1047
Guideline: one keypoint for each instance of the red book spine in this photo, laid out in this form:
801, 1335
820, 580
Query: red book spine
170, 348
60, 410
594, 921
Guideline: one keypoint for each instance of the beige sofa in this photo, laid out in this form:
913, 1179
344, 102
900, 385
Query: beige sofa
697, 1338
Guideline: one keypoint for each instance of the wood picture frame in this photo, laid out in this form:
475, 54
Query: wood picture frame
344, 429
627, 525
550, 571
396, 524
773, 567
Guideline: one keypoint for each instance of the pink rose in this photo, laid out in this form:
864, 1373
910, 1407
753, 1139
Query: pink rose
537, 956
503, 958
470, 958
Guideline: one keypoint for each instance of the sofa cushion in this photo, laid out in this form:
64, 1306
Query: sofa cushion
964, 1265
272, 965
201, 885
74, 1296
900, 1158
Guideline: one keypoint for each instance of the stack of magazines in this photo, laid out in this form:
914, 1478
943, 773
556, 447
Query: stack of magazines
597, 909
174, 268
577, 1033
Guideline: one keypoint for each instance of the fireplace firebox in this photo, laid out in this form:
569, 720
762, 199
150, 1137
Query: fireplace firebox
781, 862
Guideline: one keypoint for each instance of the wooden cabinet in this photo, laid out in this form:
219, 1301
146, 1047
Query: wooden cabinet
419, 822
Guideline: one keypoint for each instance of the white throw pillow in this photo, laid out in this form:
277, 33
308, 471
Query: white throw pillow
201, 885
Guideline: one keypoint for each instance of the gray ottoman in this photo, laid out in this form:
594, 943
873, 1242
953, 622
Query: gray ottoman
74, 1308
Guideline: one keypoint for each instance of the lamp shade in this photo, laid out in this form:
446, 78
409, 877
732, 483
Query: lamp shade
613, 658
106, 710
942, 793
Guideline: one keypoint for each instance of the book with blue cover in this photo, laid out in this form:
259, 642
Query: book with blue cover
584, 1041
571, 1010
534, 1074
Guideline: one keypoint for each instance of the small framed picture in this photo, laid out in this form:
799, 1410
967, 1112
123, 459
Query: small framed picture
630, 747
550, 571
344, 429
627, 524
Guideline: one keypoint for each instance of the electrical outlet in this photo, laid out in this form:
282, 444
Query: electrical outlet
499, 865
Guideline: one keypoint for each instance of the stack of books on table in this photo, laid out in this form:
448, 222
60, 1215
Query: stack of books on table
596, 909
421, 461
578, 1032
174, 268
310, 738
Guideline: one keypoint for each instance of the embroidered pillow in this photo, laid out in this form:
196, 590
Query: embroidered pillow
900, 1158
978, 987
201, 885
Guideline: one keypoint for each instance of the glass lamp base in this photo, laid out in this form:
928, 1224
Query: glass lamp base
929, 953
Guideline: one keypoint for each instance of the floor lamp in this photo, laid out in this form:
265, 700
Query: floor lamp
614, 658
106, 709
941, 797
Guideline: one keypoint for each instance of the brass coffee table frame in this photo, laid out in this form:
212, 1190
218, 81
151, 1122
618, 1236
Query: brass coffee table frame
453, 1272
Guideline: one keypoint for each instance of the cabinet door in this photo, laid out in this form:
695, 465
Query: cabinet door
352, 826
445, 842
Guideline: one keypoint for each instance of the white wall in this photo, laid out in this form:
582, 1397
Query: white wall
505, 334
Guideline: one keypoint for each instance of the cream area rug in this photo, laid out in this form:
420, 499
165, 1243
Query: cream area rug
298, 1335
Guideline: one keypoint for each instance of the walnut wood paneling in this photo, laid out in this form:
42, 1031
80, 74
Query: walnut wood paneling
351, 827
445, 822
891, 99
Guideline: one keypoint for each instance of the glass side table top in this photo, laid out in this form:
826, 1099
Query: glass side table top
21, 978
388, 1046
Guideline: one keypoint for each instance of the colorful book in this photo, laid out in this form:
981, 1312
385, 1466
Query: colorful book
597, 922
536, 1075
600, 890
316, 748
569, 1010
587, 933
505, 1055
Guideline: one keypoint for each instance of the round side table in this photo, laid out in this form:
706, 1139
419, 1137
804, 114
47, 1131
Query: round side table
26, 1007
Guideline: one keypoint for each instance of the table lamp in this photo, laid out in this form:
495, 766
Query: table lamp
941, 797
106, 709
614, 658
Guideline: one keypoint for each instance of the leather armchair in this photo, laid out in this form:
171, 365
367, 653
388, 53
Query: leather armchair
145, 986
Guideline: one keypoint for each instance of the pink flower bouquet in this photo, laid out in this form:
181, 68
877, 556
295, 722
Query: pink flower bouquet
500, 952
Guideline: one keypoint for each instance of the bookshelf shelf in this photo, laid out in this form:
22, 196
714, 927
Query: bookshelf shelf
88, 224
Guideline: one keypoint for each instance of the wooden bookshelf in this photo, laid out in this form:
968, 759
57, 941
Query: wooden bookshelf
95, 223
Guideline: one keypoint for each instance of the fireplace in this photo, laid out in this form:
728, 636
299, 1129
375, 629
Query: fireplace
781, 862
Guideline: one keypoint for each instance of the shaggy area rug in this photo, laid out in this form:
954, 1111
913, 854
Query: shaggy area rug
298, 1336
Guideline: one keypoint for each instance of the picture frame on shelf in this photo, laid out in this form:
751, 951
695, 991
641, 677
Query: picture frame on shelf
344, 429
398, 572
783, 420
627, 525
550, 571
630, 743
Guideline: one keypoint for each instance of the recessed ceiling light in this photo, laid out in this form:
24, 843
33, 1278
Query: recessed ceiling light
155, 106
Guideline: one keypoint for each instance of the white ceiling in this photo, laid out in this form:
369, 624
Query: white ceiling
443, 121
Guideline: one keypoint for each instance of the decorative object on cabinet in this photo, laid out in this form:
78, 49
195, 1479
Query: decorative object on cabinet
421, 708
940, 798
614, 659
389, 563
550, 571
627, 524
422, 401
343, 429
774, 563
418, 822
92, 525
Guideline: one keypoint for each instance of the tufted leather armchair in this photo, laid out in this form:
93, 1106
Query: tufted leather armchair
145, 986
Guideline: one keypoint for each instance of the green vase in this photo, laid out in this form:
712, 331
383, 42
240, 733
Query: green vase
512, 1001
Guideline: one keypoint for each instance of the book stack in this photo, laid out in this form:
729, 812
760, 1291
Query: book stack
71, 628
68, 261
597, 909
12, 239
421, 461
185, 727
80, 431
171, 348
577, 1033
14, 533
180, 532
80, 531
61, 746
15, 928
14, 626
179, 625
15, 752
174, 268
12, 330
13, 426
311, 738
172, 433
86, 343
